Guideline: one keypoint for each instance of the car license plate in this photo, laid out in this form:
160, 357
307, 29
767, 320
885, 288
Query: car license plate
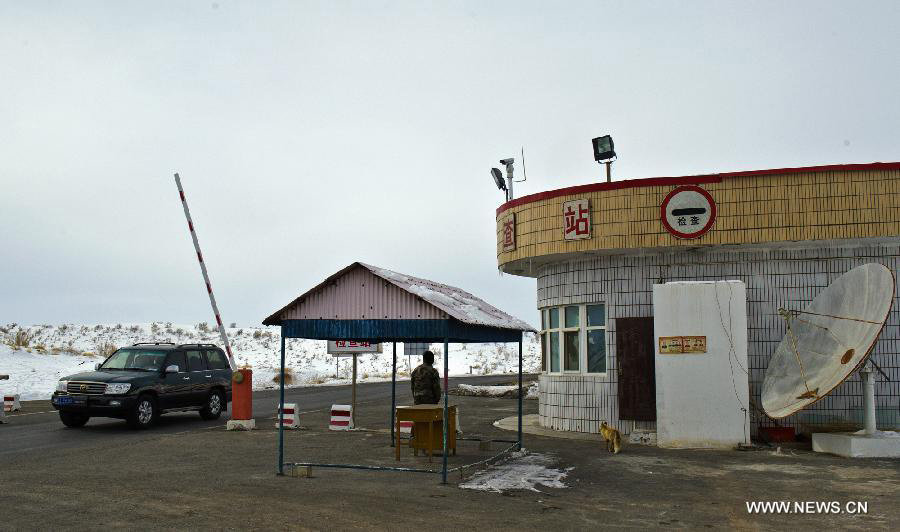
68, 400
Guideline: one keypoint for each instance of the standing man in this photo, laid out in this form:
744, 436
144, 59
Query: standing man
426, 383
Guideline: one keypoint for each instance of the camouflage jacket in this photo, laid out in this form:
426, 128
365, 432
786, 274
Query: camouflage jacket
426, 385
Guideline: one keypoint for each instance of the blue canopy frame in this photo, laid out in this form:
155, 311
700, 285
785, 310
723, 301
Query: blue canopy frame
396, 330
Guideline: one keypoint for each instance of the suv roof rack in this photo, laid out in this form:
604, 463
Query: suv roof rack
154, 343
198, 345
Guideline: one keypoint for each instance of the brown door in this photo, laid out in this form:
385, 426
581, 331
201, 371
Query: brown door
636, 369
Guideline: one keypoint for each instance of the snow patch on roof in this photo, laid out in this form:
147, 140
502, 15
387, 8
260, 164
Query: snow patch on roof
456, 302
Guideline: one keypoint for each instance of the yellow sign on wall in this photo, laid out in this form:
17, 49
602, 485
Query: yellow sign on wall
676, 345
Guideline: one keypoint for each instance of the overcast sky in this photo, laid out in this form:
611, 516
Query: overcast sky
313, 134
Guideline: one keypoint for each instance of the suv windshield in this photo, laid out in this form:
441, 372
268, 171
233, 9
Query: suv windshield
136, 358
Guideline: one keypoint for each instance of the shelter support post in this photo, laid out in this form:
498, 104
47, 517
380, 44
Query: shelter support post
520, 394
446, 398
393, 391
280, 410
353, 397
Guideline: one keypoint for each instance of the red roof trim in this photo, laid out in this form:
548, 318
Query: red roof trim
688, 180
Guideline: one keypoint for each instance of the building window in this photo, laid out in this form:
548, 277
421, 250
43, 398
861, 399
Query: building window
573, 339
595, 335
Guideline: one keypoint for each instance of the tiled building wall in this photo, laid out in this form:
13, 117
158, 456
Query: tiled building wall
788, 278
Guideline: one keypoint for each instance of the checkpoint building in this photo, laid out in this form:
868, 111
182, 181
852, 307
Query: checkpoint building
597, 251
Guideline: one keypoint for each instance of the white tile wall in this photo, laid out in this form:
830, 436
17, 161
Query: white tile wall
787, 278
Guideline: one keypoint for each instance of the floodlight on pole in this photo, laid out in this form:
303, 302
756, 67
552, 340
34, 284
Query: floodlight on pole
604, 153
498, 179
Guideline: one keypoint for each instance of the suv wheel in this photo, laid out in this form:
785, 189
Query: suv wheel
73, 420
144, 413
214, 405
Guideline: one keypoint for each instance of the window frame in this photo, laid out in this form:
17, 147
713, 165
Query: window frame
563, 329
582, 330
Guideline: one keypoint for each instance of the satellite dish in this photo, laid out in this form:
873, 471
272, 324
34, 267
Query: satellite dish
828, 340
498, 178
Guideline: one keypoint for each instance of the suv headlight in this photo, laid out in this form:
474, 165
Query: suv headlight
61, 386
117, 388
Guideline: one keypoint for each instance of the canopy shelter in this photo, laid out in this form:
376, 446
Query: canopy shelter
371, 304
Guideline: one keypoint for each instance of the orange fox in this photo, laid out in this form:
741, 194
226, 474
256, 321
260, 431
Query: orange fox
612, 436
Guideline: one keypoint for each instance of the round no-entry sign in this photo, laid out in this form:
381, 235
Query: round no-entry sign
688, 212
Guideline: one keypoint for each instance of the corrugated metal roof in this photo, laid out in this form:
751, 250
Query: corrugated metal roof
431, 300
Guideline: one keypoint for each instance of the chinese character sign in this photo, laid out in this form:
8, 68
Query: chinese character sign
352, 346
508, 235
577, 219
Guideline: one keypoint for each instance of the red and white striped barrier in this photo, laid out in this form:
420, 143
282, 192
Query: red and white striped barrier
341, 417
289, 416
209, 290
11, 403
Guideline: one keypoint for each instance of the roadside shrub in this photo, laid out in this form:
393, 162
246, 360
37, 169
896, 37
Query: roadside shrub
104, 349
233, 325
20, 339
257, 334
203, 327
288, 377
154, 328
135, 329
70, 348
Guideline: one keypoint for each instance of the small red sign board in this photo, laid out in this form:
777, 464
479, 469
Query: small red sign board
688, 212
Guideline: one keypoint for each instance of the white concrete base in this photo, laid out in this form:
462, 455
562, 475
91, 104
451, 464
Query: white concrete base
852, 445
642, 437
240, 424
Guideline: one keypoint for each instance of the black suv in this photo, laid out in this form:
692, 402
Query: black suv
140, 382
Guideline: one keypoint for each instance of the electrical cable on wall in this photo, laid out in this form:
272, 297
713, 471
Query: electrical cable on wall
732, 354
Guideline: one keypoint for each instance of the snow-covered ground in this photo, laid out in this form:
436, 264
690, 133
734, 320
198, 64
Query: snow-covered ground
531, 390
54, 351
523, 471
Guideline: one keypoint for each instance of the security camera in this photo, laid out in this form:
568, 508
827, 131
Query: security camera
507, 162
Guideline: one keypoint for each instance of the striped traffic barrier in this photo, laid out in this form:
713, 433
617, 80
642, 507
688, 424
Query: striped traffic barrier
406, 428
209, 290
289, 416
11, 403
341, 417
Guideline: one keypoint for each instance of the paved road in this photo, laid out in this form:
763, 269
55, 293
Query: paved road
38, 427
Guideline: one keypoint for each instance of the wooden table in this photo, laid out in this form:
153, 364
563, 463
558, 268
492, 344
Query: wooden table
428, 433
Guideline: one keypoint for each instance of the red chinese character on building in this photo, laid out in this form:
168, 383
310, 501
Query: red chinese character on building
509, 233
577, 215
